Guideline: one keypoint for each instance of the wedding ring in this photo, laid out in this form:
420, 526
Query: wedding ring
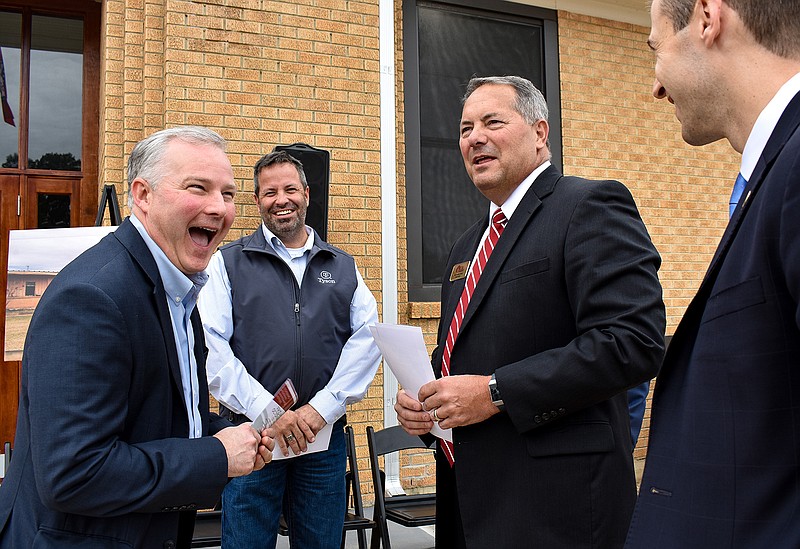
289, 437
435, 415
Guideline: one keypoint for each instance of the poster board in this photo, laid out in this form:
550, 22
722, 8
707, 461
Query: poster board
35, 257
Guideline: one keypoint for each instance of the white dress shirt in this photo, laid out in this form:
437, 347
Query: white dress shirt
765, 125
228, 379
511, 203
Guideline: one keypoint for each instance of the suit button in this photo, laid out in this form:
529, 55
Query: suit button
169, 544
546, 416
537, 419
562, 411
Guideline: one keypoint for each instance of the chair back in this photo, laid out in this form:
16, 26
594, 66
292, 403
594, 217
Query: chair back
406, 510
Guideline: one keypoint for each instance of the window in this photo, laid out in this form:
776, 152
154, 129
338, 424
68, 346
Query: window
55, 72
445, 44
30, 288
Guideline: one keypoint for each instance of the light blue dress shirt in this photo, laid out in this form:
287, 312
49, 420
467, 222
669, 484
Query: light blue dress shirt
182, 294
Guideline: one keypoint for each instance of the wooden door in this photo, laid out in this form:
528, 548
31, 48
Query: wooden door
49, 141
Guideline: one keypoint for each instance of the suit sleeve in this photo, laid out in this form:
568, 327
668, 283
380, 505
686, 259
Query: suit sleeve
611, 281
96, 449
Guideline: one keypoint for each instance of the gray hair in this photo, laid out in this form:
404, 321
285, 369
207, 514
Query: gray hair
278, 157
530, 104
148, 154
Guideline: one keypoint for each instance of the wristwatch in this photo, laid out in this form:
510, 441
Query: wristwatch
494, 392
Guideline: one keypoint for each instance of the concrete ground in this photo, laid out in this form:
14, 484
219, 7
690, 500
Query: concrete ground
400, 536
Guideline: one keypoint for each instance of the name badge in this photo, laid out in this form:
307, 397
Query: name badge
459, 271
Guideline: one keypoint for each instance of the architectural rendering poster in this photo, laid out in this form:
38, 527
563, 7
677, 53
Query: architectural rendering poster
35, 257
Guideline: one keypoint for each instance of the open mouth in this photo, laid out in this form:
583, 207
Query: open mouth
202, 236
481, 159
282, 213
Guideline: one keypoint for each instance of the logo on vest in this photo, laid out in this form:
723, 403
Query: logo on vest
325, 278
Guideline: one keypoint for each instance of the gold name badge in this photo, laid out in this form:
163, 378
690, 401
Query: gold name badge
459, 271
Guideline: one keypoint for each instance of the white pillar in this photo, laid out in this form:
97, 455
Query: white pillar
389, 220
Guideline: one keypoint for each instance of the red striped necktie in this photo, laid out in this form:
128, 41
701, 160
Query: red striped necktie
495, 230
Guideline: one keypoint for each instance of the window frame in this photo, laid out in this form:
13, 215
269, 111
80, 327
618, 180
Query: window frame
417, 290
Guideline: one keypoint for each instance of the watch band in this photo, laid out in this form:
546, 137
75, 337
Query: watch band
494, 392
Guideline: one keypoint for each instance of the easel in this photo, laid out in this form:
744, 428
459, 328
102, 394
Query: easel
108, 198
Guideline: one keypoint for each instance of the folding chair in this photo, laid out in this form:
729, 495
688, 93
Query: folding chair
207, 529
406, 510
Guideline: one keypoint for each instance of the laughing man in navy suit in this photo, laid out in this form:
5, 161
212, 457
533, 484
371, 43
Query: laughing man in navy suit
113, 445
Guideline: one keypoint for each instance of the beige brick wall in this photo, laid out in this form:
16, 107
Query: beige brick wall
261, 73
264, 73
613, 128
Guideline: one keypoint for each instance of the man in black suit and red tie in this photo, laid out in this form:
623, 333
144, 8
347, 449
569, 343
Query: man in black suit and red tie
723, 461
551, 310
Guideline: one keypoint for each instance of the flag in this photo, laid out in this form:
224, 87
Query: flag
8, 115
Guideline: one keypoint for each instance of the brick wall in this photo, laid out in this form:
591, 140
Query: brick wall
264, 73
613, 128
261, 73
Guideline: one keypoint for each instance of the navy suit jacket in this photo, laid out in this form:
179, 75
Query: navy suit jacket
102, 456
568, 315
723, 462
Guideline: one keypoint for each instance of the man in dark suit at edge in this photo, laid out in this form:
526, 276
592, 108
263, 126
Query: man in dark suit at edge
723, 461
566, 315
112, 446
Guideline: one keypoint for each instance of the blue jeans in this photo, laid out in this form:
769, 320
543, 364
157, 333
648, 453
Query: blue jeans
310, 490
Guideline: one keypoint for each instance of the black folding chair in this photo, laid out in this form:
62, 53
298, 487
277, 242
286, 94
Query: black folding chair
406, 510
207, 529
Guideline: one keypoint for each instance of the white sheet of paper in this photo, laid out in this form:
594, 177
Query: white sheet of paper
320, 444
404, 351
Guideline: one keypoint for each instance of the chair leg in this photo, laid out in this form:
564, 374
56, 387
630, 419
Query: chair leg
362, 539
380, 535
375, 542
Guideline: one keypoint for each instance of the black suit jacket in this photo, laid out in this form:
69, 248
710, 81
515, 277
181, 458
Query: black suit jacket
723, 462
102, 456
568, 314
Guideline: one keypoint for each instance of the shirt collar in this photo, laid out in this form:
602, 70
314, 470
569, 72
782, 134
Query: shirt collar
511, 203
765, 124
276, 243
177, 285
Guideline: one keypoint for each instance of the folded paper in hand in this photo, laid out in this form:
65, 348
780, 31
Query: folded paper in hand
404, 351
285, 397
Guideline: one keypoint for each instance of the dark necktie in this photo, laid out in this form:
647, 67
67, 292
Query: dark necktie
476, 270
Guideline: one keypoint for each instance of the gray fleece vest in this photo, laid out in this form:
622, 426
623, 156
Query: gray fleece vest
284, 330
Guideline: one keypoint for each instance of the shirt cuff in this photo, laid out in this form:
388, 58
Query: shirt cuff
258, 405
327, 406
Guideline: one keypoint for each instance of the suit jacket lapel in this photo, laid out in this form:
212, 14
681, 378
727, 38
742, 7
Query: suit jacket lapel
542, 187
133, 242
461, 252
786, 127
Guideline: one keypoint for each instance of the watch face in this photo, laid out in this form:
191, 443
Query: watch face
495, 392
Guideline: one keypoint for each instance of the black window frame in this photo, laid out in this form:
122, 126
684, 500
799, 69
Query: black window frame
508, 11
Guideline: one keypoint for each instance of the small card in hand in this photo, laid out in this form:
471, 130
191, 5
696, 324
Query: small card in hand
283, 399
286, 395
